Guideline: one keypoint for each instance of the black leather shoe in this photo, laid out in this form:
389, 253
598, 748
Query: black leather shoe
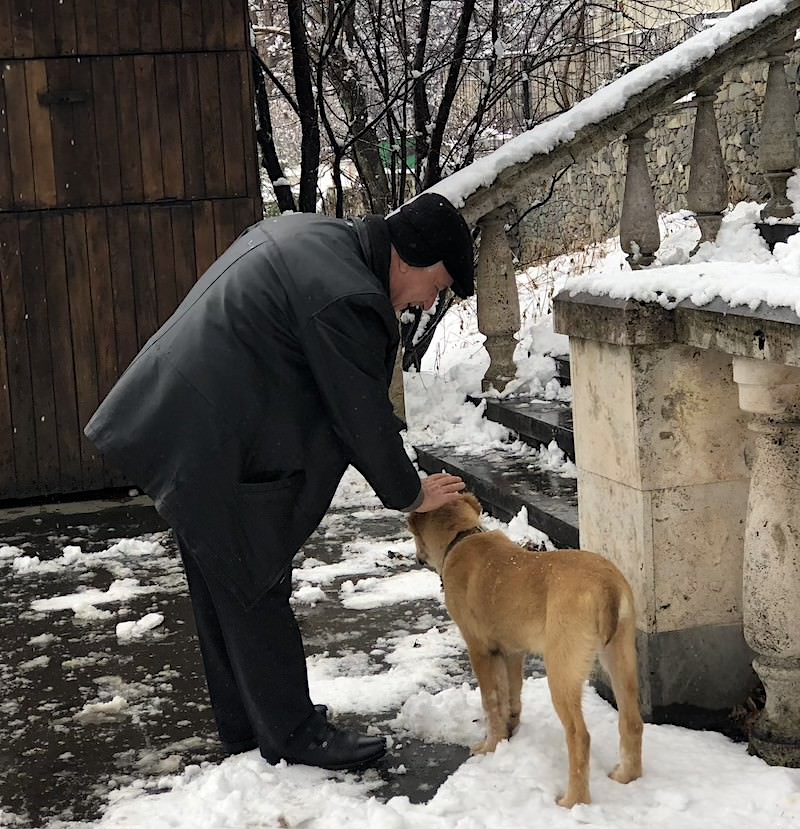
319, 743
249, 743
241, 746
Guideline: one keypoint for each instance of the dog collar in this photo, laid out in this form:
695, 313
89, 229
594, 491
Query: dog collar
459, 537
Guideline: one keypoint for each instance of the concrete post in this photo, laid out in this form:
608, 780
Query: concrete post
498, 300
771, 578
778, 150
707, 195
662, 485
638, 225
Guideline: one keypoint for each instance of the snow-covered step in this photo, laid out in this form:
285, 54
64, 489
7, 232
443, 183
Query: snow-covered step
506, 481
536, 421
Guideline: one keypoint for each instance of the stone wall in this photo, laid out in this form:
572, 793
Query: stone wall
587, 201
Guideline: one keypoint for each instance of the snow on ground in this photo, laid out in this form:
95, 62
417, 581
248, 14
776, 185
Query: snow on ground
692, 779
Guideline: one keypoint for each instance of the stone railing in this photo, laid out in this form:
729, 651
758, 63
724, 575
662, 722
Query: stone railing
491, 207
687, 422
687, 442
585, 206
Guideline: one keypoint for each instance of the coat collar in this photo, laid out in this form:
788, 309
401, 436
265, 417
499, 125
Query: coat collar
374, 235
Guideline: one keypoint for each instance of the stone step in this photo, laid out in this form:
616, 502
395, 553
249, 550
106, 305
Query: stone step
563, 374
535, 421
506, 481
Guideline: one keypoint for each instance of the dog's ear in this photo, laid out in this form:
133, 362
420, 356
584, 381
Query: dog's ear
473, 502
411, 518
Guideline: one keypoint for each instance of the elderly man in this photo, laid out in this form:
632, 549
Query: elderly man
239, 417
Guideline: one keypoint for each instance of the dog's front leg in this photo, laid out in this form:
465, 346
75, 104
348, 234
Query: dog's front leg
490, 671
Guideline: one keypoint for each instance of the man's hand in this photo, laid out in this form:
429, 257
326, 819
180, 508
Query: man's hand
440, 489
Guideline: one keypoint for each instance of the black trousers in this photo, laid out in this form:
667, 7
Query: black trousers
254, 660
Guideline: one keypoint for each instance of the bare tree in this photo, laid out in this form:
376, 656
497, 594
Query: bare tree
411, 90
266, 140
433, 171
306, 108
358, 135
407, 97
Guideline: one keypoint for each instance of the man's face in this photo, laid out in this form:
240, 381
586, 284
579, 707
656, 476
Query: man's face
412, 286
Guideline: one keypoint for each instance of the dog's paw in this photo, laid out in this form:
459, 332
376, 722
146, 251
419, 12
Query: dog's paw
623, 775
487, 746
568, 801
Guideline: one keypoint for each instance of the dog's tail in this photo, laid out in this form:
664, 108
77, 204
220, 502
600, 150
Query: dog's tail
620, 613
625, 608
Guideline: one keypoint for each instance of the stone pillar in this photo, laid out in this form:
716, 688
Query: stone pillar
707, 196
498, 301
777, 155
662, 492
639, 234
771, 583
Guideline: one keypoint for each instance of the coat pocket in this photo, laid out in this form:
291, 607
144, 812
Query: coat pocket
265, 512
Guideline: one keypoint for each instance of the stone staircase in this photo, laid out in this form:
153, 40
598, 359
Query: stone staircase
507, 480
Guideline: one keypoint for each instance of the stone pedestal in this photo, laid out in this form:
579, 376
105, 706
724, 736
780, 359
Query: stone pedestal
771, 586
663, 483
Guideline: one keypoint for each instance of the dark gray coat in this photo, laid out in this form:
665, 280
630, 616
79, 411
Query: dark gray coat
240, 415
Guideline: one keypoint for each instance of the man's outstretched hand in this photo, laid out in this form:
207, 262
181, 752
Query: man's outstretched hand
440, 489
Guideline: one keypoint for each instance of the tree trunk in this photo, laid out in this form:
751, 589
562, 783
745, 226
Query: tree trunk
307, 108
269, 155
364, 141
422, 110
433, 173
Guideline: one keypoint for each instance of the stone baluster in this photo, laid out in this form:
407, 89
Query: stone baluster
498, 300
638, 225
778, 151
707, 195
771, 575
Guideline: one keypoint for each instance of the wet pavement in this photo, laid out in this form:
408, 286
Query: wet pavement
66, 740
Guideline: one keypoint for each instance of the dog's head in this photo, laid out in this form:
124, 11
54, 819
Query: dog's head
434, 531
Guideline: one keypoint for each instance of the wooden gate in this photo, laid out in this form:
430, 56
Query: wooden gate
127, 165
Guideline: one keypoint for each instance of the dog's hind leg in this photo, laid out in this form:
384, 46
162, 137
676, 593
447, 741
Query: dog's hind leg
619, 659
565, 676
490, 671
515, 663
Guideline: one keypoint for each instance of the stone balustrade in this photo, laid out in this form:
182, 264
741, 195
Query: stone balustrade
770, 392
686, 421
688, 450
707, 193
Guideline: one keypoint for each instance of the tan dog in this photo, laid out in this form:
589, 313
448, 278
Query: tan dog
570, 606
